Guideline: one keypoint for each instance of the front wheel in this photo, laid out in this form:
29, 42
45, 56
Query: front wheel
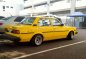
37, 40
70, 36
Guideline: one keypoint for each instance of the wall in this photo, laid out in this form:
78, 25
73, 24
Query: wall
12, 7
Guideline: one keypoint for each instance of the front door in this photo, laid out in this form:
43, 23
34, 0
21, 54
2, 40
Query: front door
59, 30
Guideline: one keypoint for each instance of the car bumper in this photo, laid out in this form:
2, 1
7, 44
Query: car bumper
2, 30
9, 37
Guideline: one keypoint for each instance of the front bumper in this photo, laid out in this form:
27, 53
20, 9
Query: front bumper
9, 37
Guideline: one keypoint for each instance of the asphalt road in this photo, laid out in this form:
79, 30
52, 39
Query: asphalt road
57, 49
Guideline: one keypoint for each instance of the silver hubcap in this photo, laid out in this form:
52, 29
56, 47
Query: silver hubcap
38, 40
72, 35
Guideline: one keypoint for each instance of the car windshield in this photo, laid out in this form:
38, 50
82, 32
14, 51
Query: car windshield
28, 20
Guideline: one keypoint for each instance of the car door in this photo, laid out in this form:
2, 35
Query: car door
59, 30
46, 28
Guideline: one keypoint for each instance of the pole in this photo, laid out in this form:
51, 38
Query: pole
73, 6
48, 7
32, 7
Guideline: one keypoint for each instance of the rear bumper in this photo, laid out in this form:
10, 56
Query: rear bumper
9, 37
2, 30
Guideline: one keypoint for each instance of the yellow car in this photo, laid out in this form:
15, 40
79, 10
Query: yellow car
38, 29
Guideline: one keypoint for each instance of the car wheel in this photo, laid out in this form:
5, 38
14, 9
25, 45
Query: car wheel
37, 40
70, 36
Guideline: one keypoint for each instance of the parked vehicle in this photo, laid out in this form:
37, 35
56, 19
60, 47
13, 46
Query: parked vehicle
2, 21
9, 21
2, 17
38, 29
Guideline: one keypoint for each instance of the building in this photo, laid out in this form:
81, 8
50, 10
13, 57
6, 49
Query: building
57, 7
60, 8
11, 7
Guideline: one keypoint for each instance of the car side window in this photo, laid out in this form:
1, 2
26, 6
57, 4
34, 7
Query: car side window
44, 22
56, 22
40, 23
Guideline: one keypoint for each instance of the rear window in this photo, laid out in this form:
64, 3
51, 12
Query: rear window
28, 20
18, 19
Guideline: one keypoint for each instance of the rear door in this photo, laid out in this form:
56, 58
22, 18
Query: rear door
46, 28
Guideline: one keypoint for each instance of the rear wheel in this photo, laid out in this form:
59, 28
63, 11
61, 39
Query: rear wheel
70, 35
37, 40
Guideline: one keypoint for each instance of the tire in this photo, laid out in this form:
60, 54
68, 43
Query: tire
70, 35
37, 40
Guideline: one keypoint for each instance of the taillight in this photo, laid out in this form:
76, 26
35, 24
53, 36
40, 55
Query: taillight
1, 23
15, 31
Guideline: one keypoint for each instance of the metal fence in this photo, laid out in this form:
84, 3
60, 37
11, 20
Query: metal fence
79, 22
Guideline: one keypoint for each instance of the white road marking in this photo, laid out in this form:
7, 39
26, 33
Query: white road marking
49, 50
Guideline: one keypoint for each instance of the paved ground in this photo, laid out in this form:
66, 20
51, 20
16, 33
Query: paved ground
58, 49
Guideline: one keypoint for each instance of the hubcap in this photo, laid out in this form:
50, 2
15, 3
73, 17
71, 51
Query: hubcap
38, 40
72, 35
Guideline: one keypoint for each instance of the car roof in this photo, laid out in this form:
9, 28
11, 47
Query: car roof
44, 16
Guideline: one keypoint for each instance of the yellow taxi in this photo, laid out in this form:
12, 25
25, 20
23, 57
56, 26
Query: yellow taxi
38, 29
